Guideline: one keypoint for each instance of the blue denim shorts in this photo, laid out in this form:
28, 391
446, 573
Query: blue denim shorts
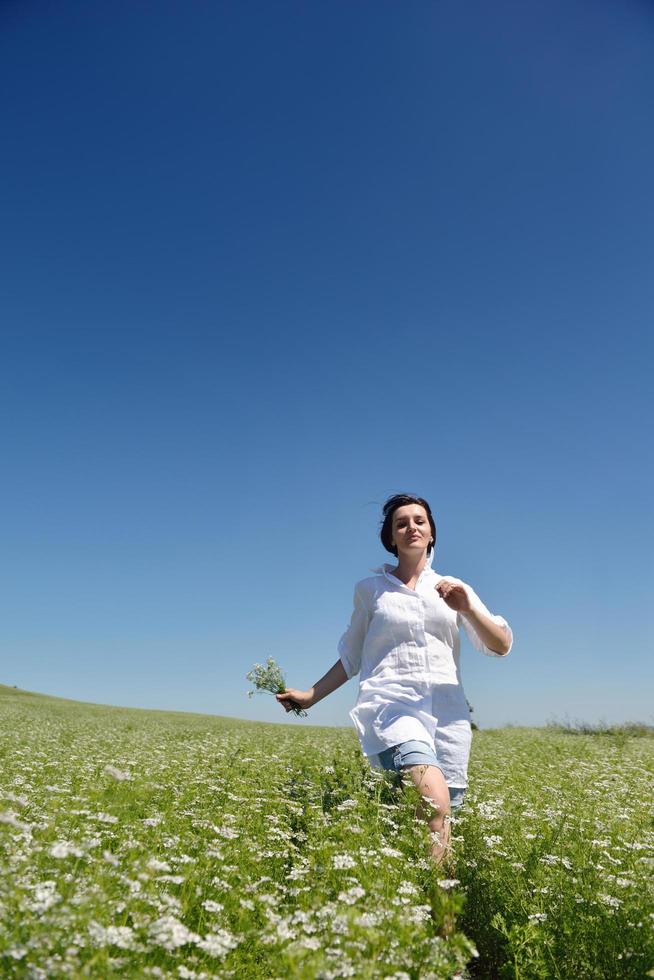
414, 753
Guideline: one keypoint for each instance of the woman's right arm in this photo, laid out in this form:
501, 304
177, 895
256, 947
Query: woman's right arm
333, 679
350, 648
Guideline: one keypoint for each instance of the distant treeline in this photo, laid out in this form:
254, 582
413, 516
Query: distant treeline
633, 729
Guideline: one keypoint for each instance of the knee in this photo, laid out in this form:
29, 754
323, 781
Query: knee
436, 810
439, 817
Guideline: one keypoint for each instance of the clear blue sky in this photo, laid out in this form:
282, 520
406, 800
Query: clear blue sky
263, 264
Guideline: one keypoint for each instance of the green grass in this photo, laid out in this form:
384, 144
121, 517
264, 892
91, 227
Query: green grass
143, 843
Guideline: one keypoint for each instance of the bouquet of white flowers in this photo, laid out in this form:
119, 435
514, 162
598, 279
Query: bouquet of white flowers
269, 678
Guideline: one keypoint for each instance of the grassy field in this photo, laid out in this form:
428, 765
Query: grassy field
140, 843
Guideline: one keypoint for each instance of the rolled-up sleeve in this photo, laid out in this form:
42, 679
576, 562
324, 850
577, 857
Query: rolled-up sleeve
350, 645
473, 636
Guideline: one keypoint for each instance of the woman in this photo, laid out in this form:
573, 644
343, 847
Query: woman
403, 639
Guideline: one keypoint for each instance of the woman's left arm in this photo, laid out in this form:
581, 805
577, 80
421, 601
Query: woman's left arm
492, 634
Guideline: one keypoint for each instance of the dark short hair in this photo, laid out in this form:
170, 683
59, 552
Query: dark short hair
389, 508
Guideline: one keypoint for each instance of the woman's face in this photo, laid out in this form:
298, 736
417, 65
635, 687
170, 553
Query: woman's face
411, 532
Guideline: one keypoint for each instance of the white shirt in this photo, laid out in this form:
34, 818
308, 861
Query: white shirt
405, 645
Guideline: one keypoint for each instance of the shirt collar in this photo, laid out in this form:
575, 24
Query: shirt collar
385, 568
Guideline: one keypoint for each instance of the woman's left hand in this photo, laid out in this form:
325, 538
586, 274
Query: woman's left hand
454, 595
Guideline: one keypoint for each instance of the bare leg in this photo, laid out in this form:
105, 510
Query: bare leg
434, 806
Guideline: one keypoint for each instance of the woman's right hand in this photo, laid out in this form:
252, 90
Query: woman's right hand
291, 697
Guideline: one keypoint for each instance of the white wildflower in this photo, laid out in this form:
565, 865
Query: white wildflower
340, 925
120, 936
390, 852
170, 933
64, 849
351, 895
285, 931
12, 820
117, 774
217, 943
343, 861
44, 896
212, 906
20, 801
227, 832
155, 865
368, 920
270, 679
448, 883
296, 873
16, 952
537, 917
419, 913
106, 818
